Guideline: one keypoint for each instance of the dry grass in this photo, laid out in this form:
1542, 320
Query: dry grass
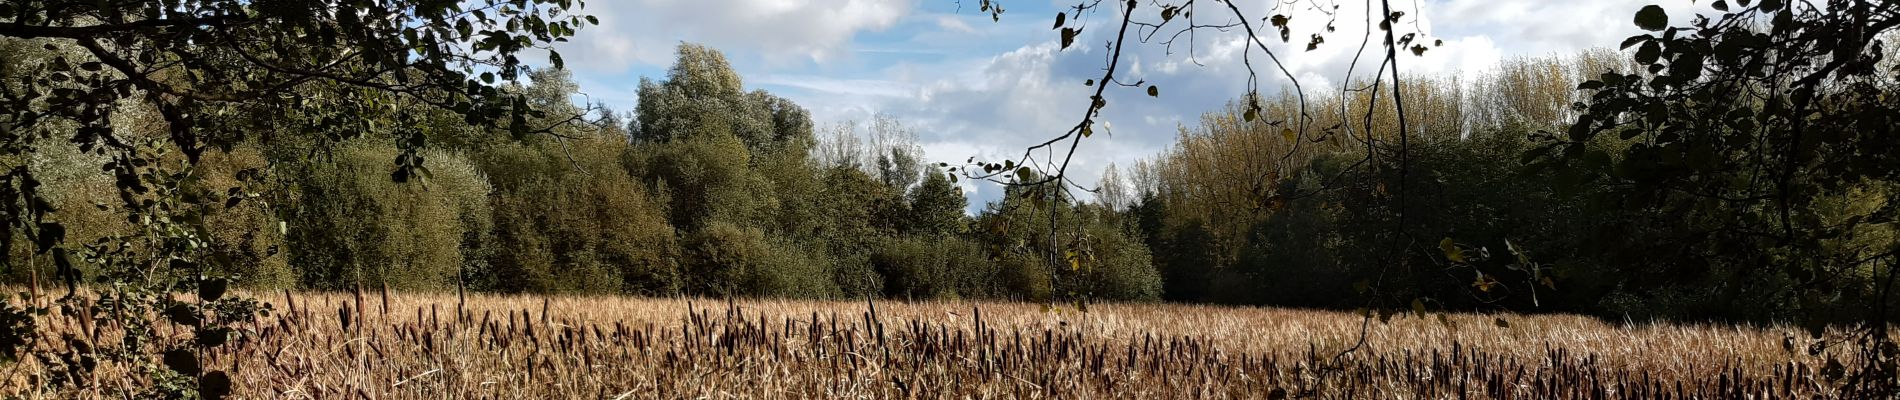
415, 346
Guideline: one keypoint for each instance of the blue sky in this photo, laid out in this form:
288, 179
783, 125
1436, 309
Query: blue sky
976, 87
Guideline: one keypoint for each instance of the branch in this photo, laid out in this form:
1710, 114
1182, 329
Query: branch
19, 30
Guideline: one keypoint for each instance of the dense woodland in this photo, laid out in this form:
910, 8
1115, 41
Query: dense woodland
1740, 167
1502, 195
708, 189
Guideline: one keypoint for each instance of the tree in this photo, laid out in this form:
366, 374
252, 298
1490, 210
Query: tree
1769, 129
703, 95
190, 60
936, 207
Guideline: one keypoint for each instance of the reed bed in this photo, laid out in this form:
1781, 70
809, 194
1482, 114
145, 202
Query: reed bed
418, 346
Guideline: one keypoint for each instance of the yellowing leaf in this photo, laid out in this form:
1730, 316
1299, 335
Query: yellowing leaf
1289, 134
1451, 250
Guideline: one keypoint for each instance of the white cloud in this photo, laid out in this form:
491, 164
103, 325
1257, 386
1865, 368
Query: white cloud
973, 87
779, 31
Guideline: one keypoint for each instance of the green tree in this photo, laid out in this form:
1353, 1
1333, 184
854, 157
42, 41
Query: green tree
189, 61
936, 207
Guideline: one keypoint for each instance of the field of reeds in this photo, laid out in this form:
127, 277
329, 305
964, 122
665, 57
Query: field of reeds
344, 346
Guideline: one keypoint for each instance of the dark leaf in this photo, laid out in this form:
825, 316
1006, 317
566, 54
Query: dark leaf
1649, 53
212, 289
183, 361
216, 385
183, 314
1653, 18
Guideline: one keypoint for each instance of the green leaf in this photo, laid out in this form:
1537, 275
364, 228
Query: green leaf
555, 58
1653, 18
1289, 135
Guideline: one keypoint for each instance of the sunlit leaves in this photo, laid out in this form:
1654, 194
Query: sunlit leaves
1451, 250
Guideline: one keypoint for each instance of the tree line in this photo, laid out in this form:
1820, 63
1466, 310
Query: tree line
706, 189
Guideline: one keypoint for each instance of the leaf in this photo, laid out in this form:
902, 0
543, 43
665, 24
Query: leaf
1250, 115
1648, 53
1060, 19
1719, 5
1167, 13
1289, 135
212, 289
1451, 250
213, 337
1023, 174
51, 234
593, 21
555, 58
216, 385
1068, 36
1418, 307
1501, 323
1653, 18
1154, 91
1634, 40
182, 360
182, 314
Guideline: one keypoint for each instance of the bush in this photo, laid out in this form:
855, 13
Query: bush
351, 224
575, 220
732, 260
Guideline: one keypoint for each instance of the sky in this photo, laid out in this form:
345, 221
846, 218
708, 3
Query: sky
974, 87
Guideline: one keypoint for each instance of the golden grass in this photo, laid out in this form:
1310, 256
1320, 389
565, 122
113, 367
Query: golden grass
416, 347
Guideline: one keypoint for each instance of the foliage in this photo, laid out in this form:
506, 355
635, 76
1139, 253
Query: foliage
406, 236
